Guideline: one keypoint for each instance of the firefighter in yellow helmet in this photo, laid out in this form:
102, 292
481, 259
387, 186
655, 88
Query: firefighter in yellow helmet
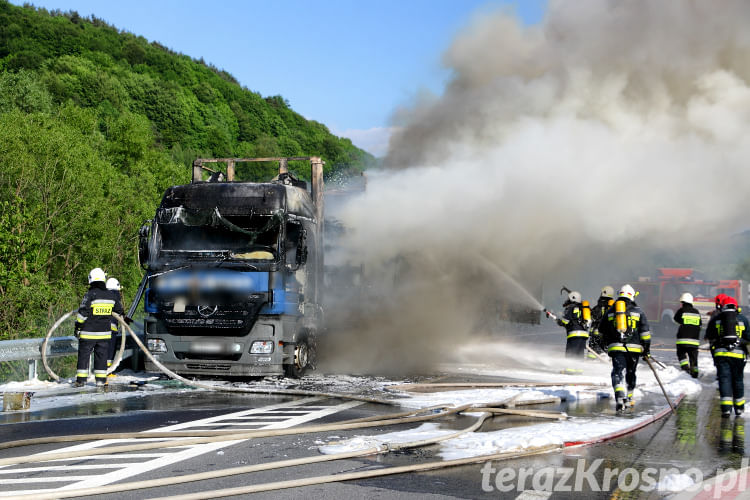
94, 328
626, 336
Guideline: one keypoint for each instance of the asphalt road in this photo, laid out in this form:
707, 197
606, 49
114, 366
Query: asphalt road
695, 438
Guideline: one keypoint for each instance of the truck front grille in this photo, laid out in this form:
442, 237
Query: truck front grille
218, 357
206, 366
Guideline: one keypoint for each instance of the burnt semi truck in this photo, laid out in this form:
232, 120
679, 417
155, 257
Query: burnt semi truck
234, 271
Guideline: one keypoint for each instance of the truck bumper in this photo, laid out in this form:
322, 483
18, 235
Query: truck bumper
224, 356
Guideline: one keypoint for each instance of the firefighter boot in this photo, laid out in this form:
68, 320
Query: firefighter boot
620, 404
619, 398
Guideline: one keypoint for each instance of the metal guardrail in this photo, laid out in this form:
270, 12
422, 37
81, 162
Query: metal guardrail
31, 350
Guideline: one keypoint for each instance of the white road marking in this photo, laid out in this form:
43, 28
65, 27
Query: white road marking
65, 468
51, 479
282, 416
534, 495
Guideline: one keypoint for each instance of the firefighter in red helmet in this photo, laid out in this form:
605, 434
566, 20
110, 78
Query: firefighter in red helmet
725, 334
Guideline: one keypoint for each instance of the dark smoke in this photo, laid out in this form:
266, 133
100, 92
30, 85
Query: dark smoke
584, 148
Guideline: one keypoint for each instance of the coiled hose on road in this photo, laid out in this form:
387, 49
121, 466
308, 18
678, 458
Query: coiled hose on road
194, 383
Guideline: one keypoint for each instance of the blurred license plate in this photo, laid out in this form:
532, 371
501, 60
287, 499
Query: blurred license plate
206, 347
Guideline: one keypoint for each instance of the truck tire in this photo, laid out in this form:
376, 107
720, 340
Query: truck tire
302, 358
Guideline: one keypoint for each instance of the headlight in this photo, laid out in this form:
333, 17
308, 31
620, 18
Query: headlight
156, 345
261, 347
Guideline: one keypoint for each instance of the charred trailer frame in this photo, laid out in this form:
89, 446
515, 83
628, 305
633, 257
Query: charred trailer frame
235, 271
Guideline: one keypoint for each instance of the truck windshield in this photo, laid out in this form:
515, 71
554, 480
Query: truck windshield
203, 234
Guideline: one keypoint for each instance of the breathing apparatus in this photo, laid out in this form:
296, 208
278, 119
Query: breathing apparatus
621, 317
728, 323
586, 312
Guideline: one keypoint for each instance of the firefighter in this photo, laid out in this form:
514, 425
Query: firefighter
606, 298
688, 334
717, 302
113, 285
725, 334
94, 328
575, 326
626, 334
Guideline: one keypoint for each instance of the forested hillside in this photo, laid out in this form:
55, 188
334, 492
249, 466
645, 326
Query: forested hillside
94, 124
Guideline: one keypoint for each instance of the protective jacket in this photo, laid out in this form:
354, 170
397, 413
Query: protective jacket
636, 339
94, 320
690, 321
598, 312
725, 333
573, 322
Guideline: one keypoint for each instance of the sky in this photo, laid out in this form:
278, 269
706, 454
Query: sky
345, 63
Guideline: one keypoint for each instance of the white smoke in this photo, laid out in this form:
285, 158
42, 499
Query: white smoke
610, 129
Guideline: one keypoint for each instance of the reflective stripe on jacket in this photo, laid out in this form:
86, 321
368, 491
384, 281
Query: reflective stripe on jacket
95, 314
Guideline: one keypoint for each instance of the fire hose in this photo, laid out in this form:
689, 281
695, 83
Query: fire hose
486, 411
194, 383
656, 375
273, 486
213, 436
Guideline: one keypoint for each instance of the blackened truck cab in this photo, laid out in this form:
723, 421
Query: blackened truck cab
234, 271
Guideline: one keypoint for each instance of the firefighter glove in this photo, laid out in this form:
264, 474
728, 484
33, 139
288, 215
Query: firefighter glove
128, 320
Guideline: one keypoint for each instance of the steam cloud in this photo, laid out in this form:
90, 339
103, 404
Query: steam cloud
573, 148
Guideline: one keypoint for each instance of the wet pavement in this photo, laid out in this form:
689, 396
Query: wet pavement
694, 443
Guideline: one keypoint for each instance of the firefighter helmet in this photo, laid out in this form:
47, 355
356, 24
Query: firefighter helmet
97, 274
113, 284
608, 292
575, 297
729, 301
687, 298
627, 292
719, 299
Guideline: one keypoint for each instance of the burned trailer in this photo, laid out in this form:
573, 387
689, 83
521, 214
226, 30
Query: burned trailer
234, 272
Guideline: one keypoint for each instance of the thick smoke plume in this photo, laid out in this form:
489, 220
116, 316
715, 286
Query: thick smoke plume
574, 148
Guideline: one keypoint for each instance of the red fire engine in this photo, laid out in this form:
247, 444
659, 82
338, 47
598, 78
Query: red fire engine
659, 297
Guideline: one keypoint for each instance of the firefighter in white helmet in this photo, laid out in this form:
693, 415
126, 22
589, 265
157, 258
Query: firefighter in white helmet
113, 285
688, 334
575, 325
627, 337
94, 328
605, 301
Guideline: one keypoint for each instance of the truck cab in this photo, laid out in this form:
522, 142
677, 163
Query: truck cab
234, 271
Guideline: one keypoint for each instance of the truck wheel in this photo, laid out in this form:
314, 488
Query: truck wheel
301, 360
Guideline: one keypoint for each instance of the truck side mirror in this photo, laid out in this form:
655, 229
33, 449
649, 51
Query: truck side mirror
143, 236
